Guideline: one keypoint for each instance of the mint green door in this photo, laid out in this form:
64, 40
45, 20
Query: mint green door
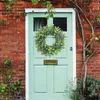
49, 82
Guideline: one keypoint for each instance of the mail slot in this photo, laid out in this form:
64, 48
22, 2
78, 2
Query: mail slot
50, 62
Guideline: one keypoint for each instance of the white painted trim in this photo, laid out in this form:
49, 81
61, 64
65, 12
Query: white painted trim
32, 10
74, 45
26, 59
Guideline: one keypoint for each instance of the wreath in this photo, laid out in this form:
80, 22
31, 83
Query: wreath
46, 49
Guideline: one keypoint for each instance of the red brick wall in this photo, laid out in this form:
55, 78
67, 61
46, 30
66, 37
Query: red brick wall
12, 40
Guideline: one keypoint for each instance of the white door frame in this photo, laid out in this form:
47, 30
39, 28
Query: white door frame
32, 10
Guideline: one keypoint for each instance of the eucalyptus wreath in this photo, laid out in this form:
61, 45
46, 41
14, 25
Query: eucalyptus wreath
55, 48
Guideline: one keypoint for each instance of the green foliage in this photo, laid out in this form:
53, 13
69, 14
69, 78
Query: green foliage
3, 21
9, 4
91, 91
7, 85
7, 62
88, 51
41, 45
50, 11
98, 19
35, 1
46, 3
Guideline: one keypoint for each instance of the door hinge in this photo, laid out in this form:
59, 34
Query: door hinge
71, 48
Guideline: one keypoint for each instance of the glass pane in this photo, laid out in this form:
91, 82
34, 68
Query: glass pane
61, 22
39, 22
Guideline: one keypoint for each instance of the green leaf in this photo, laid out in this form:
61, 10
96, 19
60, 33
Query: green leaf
3, 21
98, 19
35, 1
8, 62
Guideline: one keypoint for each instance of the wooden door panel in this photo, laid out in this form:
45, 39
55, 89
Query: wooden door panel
40, 79
60, 78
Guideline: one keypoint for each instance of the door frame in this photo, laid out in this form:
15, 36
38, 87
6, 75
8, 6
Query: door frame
32, 10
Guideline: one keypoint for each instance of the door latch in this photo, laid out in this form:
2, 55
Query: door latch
71, 48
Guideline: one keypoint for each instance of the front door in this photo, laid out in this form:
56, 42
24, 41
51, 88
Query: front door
49, 81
